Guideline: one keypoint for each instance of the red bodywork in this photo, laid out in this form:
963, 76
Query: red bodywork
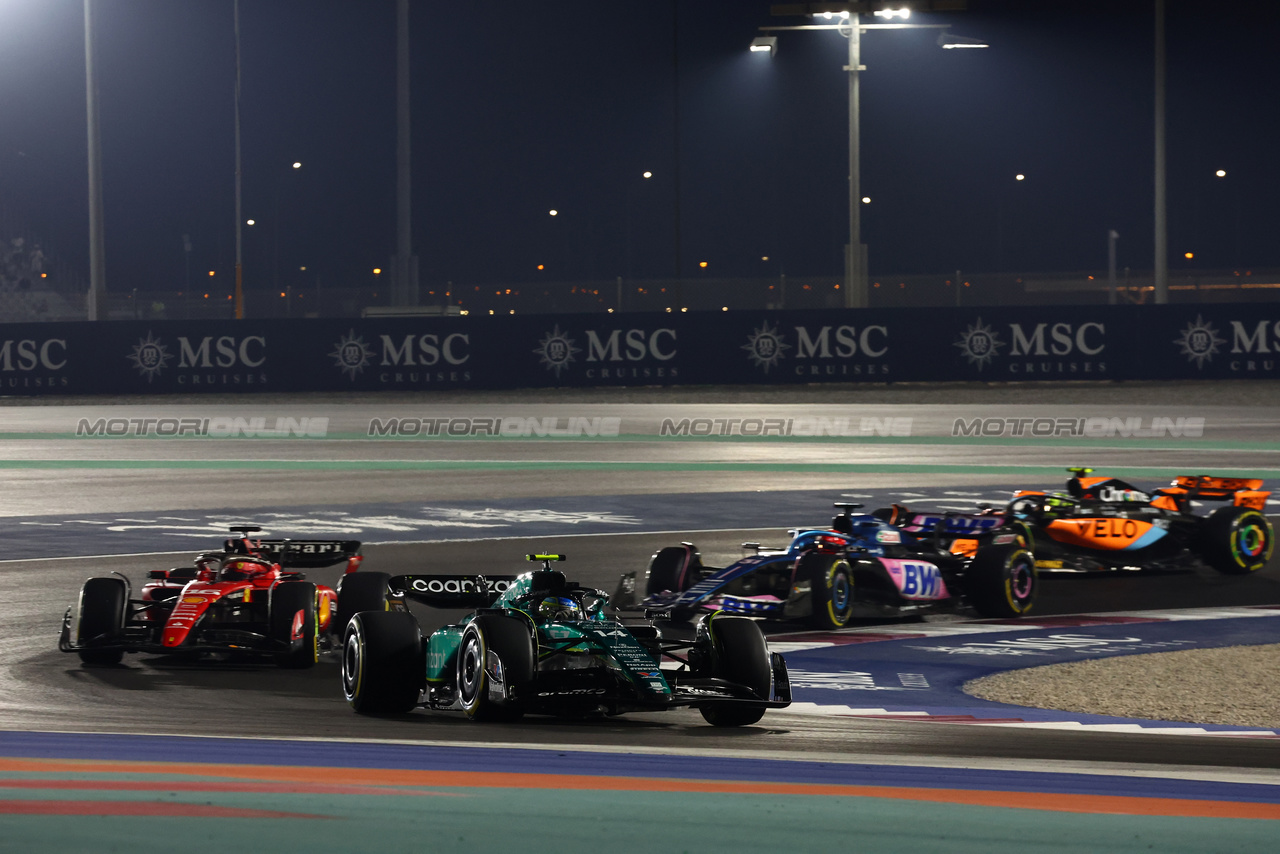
245, 577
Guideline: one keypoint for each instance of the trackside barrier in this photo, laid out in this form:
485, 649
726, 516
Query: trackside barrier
1126, 342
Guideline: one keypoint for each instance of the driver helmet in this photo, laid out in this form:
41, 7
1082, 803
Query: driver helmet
240, 569
559, 608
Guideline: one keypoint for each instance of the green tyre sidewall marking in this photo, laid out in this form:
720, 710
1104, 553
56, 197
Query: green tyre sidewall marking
1252, 526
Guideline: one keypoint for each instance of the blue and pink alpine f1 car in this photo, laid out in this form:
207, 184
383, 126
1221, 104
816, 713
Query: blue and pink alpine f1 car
895, 561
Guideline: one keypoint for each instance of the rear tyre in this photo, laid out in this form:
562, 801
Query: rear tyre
510, 640
289, 598
102, 604
383, 670
673, 569
740, 655
359, 591
1002, 581
831, 589
1237, 540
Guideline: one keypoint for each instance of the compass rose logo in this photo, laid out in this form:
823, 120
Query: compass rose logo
351, 354
1199, 342
766, 346
557, 350
979, 343
149, 356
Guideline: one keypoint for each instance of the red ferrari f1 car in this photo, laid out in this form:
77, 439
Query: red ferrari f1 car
1105, 524
250, 598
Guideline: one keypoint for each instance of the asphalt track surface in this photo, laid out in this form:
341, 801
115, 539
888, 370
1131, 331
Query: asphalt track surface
53, 475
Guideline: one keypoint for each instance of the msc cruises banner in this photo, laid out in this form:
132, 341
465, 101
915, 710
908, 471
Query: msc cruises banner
1022, 344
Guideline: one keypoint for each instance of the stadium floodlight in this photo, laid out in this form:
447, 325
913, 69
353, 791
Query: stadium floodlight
765, 44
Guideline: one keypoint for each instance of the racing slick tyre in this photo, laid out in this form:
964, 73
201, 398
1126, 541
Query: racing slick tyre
673, 569
287, 600
359, 591
831, 589
1002, 581
510, 640
383, 669
1237, 540
102, 604
739, 655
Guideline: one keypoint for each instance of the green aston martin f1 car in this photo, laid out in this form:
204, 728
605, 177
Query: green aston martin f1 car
539, 644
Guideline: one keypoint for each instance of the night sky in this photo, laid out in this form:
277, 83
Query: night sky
522, 107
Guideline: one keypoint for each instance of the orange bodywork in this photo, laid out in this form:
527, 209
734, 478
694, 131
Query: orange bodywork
1243, 492
1252, 498
1107, 533
326, 607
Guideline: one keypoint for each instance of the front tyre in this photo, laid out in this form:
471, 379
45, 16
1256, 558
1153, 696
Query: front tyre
288, 600
1237, 540
831, 589
739, 655
102, 606
496, 652
1002, 581
383, 671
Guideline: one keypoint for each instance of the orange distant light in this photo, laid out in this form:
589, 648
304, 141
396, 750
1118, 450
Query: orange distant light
702, 263
210, 272
377, 271
540, 267
1188, 255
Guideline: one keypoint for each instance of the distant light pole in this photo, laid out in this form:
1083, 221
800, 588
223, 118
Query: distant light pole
239, 293
97, 251
1161, 204
404, 270
186, 255
1112, 237
850, 26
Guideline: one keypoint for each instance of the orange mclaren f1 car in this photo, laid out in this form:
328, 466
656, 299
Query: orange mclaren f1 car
1105, 524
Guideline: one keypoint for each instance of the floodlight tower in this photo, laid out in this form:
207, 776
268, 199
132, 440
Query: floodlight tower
846, 18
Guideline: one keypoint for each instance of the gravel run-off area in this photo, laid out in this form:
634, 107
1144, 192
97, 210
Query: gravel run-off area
1235, 685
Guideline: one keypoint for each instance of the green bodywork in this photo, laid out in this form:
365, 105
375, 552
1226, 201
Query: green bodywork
596, 635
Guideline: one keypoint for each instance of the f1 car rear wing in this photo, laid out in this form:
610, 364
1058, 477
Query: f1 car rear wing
970, 524
1243, 492
452, 591
305, 554
947, 522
